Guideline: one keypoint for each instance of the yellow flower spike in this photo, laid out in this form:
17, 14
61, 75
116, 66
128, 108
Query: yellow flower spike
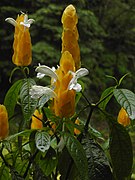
123, 117
4, 126
64, 104
70, 34
69, 17
22, 41
36, 123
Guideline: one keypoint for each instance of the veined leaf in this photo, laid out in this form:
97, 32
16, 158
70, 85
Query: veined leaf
48, 163
43, 141
126, 99
98, 165
108, 92
120, 150
28, 104
12, 96
78, 154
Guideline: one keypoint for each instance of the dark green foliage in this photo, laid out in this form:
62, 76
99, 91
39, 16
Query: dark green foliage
120, 150
98, 165
77, 153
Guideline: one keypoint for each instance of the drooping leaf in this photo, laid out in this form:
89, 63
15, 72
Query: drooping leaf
108, 92
120, 150
12, 96
126, 99
77, 152
25, 133
98, 164
43, 141
28, 104
48, 163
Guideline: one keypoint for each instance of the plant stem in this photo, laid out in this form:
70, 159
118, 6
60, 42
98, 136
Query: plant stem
88, 119
29, 164
86, 98
103, 99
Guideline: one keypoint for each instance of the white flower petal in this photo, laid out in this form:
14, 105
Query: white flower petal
78, 74
30, 21
25, 24
40, 75
47, 71
82, 72
11, 21
38, 91
77, 87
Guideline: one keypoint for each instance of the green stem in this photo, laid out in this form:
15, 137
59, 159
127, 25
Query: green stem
89, 118
4, 160
94, 106
103, 99
23, 71
86, 98
32, 157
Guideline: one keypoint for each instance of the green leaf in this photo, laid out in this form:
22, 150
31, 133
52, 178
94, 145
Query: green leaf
126, 99
4, 173
120, 150
98, 165
43, 141
121, 79
43, 100
28, 104
49, 162
12, 96
25, 133
108, 92
76, 151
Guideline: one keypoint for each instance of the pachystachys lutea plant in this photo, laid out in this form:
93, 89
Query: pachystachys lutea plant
44, 133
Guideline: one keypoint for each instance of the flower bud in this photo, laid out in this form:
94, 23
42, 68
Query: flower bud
4, 126
123, 117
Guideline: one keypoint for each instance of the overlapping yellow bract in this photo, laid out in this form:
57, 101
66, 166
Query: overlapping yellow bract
4, 125
22, 44
123, 117
64, 104
36, 123
70, 34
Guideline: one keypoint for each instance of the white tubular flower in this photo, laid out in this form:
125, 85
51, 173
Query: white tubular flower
78, 74
46, 71
38, 91
27, 22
